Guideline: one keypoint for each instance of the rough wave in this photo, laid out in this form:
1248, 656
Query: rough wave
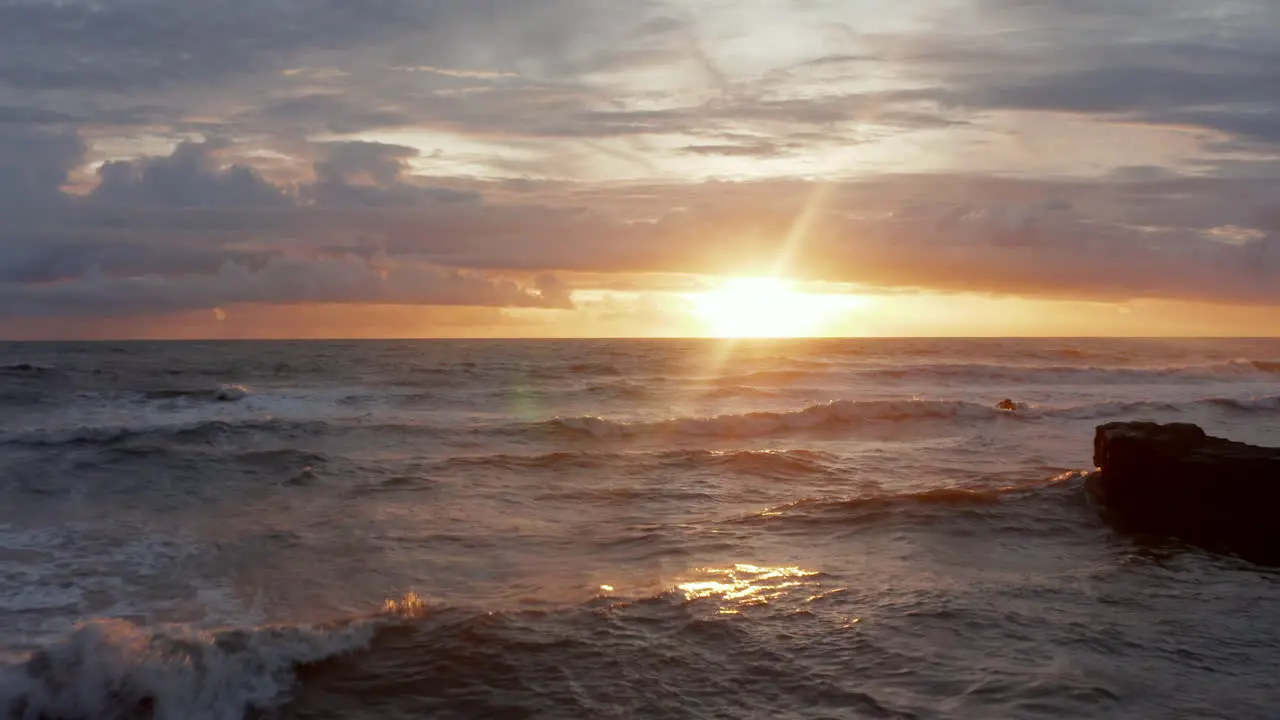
116, 669
771, 463
837, 414
846, 413
620, 389
756, 424
1241, 369
200, 431
1117, 409
222, 393
1260, 370
810, 510
771, 377
1259, 404
740, 391
26, 370
576, 371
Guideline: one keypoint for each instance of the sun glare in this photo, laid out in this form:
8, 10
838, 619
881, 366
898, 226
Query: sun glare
766, 307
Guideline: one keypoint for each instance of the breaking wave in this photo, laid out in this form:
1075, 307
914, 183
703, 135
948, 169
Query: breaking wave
843, 510
117, 669
839, 414
846, 413
120, 669
410, 656
756, 424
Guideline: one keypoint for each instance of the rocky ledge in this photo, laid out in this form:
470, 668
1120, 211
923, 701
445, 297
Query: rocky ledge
1175, 480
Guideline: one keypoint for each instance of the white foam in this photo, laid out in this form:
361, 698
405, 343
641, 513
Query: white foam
114, 668
48, 574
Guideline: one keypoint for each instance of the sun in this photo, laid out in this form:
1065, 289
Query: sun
765, 307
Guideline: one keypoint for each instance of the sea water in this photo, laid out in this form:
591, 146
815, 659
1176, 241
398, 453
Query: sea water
613, 529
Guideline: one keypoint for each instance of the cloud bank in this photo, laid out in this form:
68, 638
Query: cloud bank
159, 158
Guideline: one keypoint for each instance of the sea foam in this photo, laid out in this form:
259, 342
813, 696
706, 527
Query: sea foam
118, 669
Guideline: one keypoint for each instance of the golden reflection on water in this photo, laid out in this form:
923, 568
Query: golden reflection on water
731, 588
745, 585
410, 603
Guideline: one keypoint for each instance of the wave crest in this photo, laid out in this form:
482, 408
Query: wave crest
756, 424
116, 669
196, 432
1242, 369
847, 413
26, 370
222, 393
842, 510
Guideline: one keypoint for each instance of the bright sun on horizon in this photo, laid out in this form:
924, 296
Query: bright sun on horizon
768, 307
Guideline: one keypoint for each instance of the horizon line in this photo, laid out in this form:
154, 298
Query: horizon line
623, 338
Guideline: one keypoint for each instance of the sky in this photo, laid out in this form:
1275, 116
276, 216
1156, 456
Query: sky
545, 168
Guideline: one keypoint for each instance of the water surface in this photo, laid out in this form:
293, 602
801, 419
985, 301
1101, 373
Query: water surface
628, 529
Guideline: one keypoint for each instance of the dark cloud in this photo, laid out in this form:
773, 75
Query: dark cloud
1174, 63
48, 256
61, 59
131, 45
1087, 240
279, 281
35, 164
193, 230
191, 176
375, 175
1137, 235
509, 68
325, 112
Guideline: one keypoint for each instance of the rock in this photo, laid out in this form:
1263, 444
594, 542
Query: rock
1174, 480
230, 393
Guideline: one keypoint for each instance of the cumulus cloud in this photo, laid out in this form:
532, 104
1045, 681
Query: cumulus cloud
191, 176
191, 230
373, 174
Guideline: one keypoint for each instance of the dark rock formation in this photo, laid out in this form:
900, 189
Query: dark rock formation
1175, 480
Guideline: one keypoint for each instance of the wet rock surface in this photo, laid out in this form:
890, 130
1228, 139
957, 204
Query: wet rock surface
1175, 480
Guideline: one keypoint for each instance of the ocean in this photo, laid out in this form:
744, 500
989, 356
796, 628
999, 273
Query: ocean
613, 529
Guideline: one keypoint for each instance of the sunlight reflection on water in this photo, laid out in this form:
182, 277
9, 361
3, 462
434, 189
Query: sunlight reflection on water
745, 585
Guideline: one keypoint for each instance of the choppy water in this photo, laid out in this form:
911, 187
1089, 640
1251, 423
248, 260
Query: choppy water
613, 529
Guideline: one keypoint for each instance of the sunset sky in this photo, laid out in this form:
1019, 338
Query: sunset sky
327, 168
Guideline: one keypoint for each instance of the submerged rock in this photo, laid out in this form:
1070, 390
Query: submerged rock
1177, 481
